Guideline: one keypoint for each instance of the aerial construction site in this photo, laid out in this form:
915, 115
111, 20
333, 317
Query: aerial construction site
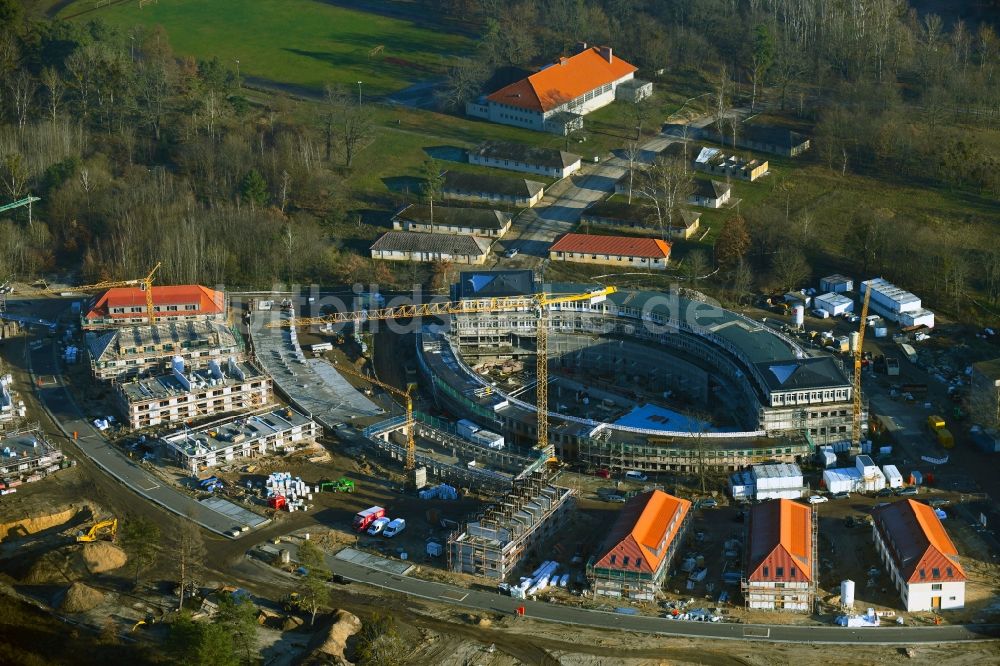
597, 446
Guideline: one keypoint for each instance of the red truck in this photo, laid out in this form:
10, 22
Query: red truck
362, 519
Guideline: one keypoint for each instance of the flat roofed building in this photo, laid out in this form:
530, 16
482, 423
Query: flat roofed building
836, 283
26, 456
125, 306
920, 557
181, 395
492, 189
11, 407
612, 250
412, 246
523, 157
130, 351
781, 556
276, 431
555, 98
452, 220
777, 481
634, 557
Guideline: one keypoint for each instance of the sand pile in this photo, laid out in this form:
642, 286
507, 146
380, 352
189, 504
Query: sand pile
102, 556
76, 562
80, 598
331, 650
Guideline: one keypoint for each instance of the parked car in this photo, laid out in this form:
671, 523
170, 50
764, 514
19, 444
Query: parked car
633, 475
511, 253
818, 499
615, 498
909, 491
885, 492
603, 474
938, 502
708, 503
842, 495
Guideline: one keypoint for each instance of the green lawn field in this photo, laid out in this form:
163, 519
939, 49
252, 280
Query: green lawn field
298, 42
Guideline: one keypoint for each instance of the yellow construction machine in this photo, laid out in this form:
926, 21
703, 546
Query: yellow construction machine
107, 528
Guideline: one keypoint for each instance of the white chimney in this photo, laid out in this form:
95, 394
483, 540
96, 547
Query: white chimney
606, 53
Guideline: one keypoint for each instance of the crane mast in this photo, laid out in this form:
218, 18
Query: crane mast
856, 423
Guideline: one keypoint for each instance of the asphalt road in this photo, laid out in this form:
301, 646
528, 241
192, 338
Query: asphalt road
496, 603
536, 228
59, 403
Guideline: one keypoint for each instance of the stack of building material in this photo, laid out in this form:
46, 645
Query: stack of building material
442, 491
293, 489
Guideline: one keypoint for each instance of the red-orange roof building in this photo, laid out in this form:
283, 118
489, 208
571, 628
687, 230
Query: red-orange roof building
781, 571
612, 250
126, 306
555, 98
920, 557
632, 561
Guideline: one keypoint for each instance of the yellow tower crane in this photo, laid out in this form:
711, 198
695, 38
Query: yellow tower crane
856, 439
407, 396
144, 283
539, 303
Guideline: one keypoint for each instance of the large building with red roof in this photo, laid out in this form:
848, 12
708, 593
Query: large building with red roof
781, 556
555, 98
630, 251
920, 557
126, 306
633, 560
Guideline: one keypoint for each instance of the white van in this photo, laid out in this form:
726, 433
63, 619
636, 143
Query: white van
633, 475
394, 528
377, 526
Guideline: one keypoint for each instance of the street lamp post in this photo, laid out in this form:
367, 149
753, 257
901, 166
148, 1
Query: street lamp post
238, 72
359, 93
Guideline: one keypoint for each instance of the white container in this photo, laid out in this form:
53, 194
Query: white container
847, 593
892, 476
799, 315
835, 304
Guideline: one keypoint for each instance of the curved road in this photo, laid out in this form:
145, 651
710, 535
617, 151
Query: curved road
57, 400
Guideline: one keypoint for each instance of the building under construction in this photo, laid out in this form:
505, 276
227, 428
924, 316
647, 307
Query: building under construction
26, 456
496, 543
182, 394
133, 350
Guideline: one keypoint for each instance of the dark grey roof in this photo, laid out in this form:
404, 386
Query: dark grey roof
528, 154
407, 241
494, 284
615, 210
710, 189
458, 181
803, 373
690, 217
455, 216
769, 134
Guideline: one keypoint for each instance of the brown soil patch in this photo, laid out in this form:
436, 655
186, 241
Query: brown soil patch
81, 598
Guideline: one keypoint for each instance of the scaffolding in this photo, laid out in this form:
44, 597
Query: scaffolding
783, 595
496, 542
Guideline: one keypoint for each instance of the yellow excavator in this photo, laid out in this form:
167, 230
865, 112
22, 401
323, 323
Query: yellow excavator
97, 530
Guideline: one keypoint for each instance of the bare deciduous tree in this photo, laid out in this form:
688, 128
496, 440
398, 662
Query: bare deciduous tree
666, 186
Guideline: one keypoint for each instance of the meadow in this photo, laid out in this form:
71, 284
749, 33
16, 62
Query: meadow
301, 43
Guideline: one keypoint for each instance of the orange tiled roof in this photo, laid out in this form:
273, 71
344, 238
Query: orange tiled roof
780, 536
209, 301
918, 542
641, 532
620, 246
563, 81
